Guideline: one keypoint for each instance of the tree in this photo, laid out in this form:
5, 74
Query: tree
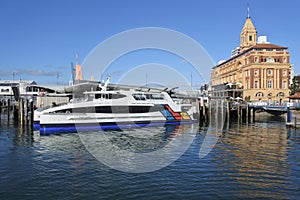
295, 87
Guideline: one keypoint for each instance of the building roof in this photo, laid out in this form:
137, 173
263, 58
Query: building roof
268, 46
257, 46
248, 25
294, 96
9, 82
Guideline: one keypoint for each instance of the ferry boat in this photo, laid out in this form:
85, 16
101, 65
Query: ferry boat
114, 110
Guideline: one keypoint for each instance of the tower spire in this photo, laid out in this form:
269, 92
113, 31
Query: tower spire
248, 33
248, 10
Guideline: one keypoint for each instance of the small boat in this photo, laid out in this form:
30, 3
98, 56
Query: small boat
114, 110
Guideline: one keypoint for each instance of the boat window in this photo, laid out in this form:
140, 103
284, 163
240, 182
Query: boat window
69, 110
109, 96
117, 96
154, 96
116, 109
139, 96
157, 96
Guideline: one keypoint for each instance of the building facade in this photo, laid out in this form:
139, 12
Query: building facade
257, 70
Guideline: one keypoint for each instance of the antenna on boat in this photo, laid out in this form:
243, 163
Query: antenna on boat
104, 87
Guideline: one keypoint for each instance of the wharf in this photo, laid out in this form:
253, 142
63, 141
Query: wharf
293, 119
293, 124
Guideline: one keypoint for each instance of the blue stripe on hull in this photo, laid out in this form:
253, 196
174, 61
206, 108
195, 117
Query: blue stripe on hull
36, 125
67, 128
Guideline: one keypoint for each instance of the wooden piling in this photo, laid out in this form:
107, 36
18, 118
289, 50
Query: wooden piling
15, 111
253, 115
1, 108
228, 111
210, 110
216, 107
242, 116
21, 111
288, 115
239, 113
247, 114
31, 114
8, 109
26, 112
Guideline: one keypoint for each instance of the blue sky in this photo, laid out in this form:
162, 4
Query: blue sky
39, 38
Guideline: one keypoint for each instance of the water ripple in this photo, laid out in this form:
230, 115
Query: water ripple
259, 161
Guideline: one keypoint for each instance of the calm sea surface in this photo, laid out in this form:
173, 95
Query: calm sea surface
257, 161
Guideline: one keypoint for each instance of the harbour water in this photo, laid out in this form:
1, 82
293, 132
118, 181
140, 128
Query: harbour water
255, 161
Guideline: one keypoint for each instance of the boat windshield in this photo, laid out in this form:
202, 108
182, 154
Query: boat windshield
109, 96
140, 96
51, 106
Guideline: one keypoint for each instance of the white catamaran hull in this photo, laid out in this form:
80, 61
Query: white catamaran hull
60, 122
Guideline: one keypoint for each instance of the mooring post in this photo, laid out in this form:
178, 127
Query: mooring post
216, 112
32, 113
200, 111
247, 113
21, 111
8, 108
25, 111
228, 111
0, 108
288, 115
205, 111
210, 109
239, 112
15, 112
242, 116
253, 115
222, 114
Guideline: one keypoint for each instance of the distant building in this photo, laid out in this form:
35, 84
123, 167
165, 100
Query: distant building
6, 87
256, 71
16, 88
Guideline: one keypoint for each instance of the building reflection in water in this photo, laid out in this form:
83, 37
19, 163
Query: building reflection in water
256, 158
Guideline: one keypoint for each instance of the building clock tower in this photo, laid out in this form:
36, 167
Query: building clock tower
248, 35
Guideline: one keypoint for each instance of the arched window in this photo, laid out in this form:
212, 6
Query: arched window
259, 94
280, 94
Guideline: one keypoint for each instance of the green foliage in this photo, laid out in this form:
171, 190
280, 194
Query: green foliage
247, 98
295, 87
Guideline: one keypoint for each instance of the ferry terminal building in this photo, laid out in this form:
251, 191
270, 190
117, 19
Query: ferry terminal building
256, 71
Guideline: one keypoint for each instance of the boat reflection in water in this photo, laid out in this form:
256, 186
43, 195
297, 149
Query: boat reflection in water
139, 150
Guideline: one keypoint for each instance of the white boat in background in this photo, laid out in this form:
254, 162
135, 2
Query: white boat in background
114, 109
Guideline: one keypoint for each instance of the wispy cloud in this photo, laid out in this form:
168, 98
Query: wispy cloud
54, 67
30, 72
